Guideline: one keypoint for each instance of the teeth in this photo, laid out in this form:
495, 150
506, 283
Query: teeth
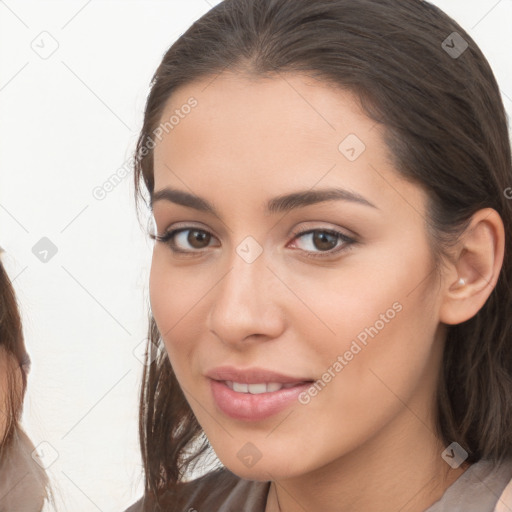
256, 389
240, 388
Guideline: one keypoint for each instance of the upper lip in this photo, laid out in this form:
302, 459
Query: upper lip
251, 375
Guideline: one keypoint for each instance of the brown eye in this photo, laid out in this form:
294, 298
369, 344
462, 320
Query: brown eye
198, 239
324, 241
186, 240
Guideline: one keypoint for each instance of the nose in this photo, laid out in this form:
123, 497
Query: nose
245, 304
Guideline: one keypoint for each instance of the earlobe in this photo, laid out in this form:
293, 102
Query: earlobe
474, 272
461, 282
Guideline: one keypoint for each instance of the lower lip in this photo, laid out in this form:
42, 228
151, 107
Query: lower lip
249, 407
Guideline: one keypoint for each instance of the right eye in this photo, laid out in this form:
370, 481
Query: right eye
178, 239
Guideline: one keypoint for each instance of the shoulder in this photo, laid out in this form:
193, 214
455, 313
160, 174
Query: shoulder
504, 503
136, 507
23, 483
494, 480
219, 490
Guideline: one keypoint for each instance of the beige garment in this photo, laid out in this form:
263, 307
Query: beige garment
481, 488
505, 502
22, 481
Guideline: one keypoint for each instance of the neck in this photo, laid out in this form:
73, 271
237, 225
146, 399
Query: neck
388, 473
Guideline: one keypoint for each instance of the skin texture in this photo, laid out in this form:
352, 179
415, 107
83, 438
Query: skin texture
367, 440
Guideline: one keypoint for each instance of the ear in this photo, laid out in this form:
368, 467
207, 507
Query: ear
473, 272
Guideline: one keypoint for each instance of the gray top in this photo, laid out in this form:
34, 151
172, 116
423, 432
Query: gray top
22, 481
478, 489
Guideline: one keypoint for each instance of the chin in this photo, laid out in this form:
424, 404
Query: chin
263, 470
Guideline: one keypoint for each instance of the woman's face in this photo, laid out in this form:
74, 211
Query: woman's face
352, 304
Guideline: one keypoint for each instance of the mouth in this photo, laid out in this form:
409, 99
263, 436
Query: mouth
258, 399
260, 388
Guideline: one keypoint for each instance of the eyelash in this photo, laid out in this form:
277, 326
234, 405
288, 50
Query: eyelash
167, 238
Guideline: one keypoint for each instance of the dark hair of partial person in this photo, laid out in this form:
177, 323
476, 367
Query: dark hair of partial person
445, 126
23, 482
11, 346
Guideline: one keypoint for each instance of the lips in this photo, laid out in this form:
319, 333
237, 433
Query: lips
254, 394
253, 376
253, 407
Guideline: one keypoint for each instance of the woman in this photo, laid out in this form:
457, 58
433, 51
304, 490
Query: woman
329, 279
23, 483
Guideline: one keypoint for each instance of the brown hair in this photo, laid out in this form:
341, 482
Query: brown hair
15, 358
15, 446
446, 129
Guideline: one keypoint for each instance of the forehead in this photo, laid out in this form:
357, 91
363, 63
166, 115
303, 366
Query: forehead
273, 135
280, 112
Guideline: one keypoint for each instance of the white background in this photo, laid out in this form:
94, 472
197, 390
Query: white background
67, 123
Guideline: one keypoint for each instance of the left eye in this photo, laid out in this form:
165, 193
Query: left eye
324, 241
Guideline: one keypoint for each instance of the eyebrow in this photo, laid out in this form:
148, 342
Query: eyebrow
279, 204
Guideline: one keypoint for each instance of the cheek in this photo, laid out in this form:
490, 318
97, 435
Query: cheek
395, 363
177, 299
372, 295
382, 318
